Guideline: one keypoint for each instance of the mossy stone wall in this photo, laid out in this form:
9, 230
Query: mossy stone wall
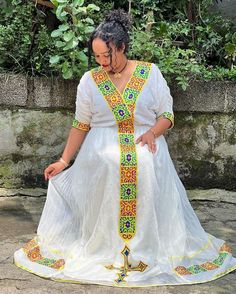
36, 115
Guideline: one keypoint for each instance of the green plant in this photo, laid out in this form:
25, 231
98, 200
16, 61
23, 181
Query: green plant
175, 63
183, 37
230, 48
71, 36
25, 41
14, 48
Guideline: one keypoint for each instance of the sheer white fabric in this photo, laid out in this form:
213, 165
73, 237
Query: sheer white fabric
80, 219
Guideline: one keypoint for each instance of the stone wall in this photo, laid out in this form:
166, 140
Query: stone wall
36, 114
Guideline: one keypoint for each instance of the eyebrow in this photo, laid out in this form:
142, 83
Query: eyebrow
101, 53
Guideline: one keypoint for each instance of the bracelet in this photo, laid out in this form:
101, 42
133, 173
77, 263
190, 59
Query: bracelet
64, 162
155, 135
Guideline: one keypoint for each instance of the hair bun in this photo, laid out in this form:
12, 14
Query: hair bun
121, 17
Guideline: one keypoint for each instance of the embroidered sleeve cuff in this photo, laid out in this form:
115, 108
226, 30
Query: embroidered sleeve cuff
81, 126
169, 116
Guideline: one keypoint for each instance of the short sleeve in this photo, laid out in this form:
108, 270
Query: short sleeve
164, 100
83, 106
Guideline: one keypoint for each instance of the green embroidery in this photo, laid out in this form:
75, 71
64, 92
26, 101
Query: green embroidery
130, 95
121, 112
126, 139
127, 225
169, 116
128, 191
129, 158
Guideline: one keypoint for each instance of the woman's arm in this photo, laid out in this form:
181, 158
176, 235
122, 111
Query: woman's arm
161, 126
74, 141
157, 130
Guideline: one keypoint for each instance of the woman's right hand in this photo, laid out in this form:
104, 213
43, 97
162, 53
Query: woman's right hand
53, 169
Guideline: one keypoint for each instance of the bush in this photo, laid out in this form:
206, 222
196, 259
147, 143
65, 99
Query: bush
182, 37
25, 42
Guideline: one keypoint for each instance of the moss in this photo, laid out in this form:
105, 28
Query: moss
183, 119
16, 157
29, 135
232, 139
5, 169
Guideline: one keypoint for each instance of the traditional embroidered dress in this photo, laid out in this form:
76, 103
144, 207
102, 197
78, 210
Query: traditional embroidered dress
120, 215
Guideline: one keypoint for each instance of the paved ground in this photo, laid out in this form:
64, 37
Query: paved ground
19, 215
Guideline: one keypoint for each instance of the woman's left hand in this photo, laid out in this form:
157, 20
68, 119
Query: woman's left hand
149, 139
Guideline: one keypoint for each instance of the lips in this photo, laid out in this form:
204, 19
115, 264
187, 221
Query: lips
105, 65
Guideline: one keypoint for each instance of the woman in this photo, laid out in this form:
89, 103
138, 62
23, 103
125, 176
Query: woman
120, 215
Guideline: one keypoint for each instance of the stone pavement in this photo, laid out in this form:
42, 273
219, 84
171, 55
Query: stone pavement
20, 211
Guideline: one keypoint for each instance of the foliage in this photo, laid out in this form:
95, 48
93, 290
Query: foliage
230, 48
25, 43
171, 60
71, 36
182, 37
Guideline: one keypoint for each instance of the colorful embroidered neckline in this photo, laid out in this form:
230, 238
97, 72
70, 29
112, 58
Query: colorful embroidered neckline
108, 78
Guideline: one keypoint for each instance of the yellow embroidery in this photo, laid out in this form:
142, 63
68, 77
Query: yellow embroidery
206, 266
81, 126
32, 250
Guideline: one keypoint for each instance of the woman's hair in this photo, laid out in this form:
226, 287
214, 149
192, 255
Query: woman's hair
115, 28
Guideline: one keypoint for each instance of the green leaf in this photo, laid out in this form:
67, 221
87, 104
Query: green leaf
82, 9
93, 7
60, 13
65, 66
66, 70
60, 44
234, 38
56, 33
67, 74
68, 36
230, 48
55, 3
88, 29
82, 57
71, 44
78, 2
61, 1
89, 20
63, 27
54, 59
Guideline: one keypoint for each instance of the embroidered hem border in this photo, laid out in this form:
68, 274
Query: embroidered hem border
224, 251
125, 285
32, 251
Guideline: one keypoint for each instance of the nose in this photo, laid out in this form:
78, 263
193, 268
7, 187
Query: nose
103, 60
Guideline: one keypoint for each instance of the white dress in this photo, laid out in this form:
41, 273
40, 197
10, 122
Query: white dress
88, 233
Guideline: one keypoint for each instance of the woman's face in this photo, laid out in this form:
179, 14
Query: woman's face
102, 55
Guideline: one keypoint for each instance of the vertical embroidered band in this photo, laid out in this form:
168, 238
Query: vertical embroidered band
123, 107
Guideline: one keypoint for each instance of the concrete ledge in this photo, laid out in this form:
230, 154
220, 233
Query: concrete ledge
39, 92
13, 90
212, 96
54, 93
